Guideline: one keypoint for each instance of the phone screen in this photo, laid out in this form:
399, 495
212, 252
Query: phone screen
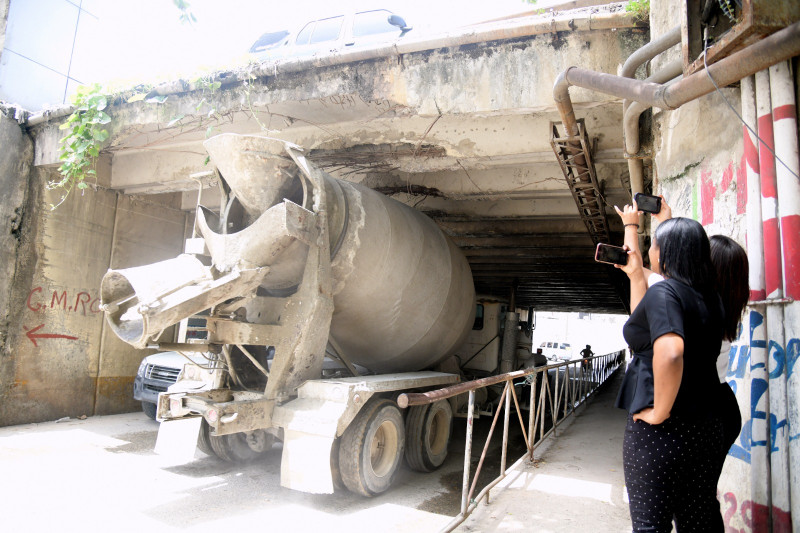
611, 254
648, 203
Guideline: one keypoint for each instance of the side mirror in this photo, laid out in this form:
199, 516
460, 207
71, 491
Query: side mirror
397, 20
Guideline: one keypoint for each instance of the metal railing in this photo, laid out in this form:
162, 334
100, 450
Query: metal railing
563, 387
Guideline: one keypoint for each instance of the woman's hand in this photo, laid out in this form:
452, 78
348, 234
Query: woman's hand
648, 415
665, 213
630, 213
634, 265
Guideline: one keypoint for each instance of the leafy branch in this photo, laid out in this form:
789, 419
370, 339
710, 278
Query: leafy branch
80, 148
639, 8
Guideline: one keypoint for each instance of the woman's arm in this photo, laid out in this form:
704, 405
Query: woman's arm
630, 220
667, 374
636, 276
634, 269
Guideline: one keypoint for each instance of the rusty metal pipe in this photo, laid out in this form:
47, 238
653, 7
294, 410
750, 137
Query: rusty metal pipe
486, 446
779, 46
630, 123
506, 416
421, 398
467, 451
649, 51
630, 128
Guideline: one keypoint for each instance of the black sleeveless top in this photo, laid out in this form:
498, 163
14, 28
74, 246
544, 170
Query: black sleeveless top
671, 306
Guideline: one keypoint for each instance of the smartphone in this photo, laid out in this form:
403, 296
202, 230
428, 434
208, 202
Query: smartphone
613, 255
648, 203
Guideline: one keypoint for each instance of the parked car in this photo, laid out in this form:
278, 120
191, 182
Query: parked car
269, 41
557, 351
160, 370
335, 34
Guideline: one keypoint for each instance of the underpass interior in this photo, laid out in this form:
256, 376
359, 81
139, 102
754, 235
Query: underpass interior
463, 134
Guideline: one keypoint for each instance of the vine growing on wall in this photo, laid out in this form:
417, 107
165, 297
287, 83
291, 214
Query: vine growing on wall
639, 8
80, 148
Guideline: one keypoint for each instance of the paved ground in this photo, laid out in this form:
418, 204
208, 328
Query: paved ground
576, 483
101, 474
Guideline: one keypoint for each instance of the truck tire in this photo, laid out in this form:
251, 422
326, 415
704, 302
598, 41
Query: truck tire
336, 474
204, 439
428, 429
235, 447
371, 448
149, 409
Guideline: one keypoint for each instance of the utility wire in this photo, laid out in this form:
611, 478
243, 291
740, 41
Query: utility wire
746, 125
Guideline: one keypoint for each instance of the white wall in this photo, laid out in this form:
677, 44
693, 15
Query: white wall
43, 37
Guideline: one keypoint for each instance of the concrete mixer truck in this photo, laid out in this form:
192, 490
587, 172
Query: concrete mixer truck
323, 300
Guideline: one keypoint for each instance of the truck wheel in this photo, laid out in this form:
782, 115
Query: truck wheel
428, 430
149, 409
241, 447
336, 474
371, 448
204, 439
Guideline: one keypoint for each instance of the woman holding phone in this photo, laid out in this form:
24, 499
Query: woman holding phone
674, 432
732, 272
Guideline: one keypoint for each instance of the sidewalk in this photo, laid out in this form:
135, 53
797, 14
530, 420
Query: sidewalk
576, 484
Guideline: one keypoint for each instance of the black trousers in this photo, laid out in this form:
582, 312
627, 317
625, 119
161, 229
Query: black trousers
671, 472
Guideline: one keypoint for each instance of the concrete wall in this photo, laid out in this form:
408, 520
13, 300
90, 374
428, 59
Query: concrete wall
58, 357
700, 168
15, 169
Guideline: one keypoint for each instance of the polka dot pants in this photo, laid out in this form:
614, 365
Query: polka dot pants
671, 472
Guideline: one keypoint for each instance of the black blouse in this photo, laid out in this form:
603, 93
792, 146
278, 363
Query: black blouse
671, 306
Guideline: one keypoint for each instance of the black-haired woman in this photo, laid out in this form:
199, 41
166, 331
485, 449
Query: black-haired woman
732, 273
674, 432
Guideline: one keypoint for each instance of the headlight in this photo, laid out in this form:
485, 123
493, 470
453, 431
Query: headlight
142, 367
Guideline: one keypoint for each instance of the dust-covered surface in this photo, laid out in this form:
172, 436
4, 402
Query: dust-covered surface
102, 473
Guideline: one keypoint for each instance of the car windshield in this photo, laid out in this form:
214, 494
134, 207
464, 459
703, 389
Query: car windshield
268, 40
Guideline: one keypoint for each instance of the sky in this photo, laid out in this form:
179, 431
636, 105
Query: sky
149, 41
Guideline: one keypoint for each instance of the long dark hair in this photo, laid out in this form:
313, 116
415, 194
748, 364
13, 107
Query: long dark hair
685, 253
733, 272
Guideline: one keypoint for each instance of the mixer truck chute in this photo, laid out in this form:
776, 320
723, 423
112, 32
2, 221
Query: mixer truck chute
323, 300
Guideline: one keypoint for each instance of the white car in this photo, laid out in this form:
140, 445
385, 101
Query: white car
557, 351
158, 371
337, 34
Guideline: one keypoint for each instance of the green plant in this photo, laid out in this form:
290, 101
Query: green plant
207, 85
80, 148
639, 8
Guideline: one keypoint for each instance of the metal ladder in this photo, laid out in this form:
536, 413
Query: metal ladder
575, 157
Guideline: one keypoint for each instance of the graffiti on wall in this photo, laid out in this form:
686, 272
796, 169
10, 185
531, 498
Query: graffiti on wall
738, 364
710, 186
751, 514
43, 301
761, 429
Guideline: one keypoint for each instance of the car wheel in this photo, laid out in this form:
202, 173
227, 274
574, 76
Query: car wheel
149, 409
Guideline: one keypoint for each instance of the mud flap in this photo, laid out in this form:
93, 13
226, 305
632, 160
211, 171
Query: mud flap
306, 462
177, 439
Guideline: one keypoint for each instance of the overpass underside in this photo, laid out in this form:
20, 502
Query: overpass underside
461, 132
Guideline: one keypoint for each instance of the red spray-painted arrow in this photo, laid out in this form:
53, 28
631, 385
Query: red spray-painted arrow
32, 335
